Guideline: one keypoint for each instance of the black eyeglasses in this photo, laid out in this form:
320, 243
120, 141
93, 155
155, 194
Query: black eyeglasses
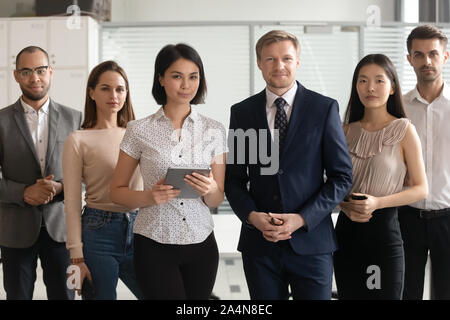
26, 72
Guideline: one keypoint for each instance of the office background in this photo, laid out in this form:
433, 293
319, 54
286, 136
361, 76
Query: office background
334, 35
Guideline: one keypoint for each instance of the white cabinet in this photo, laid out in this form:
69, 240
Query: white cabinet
69, 84
14, 89
73, 51
24, 33
3, 43
3, 88
68, 46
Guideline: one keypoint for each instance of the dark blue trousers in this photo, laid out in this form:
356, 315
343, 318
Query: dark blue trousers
269, 276
19, 269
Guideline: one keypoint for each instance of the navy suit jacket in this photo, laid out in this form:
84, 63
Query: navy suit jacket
315, 146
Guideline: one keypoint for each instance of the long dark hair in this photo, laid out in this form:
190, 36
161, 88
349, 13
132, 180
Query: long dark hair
165, 58
125, 115
355, 108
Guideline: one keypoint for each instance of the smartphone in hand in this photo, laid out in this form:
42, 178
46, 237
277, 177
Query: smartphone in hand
357, 197
87, 290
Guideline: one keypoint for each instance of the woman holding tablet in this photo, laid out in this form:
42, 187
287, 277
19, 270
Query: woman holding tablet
384, 148
176, 255
101, 240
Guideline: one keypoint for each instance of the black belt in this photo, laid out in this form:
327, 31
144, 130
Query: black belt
431, 214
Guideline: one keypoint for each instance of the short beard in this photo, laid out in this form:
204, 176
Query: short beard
429, 79
35, 97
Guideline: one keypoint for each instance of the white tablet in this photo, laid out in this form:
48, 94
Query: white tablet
175, 178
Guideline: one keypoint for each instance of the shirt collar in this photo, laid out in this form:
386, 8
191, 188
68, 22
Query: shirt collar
193, 115
288, 96
29, 109
160, 114
416, 95
446, 91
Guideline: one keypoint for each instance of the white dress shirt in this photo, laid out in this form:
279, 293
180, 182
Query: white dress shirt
432, 123
154, 142
38, 126
271, 108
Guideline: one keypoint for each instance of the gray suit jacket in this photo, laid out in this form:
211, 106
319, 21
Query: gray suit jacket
20, 223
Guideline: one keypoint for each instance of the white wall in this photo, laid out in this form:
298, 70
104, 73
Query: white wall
247, 10
231, 10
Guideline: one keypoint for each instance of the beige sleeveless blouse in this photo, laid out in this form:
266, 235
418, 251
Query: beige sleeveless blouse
378, 165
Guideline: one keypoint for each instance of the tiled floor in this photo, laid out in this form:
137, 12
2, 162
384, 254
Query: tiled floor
230, 282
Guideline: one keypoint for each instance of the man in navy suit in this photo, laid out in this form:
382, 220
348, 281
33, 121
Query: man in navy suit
287, 236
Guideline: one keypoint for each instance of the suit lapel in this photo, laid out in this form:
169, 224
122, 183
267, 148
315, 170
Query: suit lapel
53, 123
297, 115
261, 115
19, 117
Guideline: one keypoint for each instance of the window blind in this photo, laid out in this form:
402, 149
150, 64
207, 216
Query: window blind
391, 41
224, 51
327, 60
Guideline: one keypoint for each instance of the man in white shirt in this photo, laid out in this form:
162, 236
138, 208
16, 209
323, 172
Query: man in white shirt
32, 220
425, 225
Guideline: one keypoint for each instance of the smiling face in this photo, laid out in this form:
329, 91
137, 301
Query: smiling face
34, 86
278, 63
181, 81
373, 86
110, 93
427, 57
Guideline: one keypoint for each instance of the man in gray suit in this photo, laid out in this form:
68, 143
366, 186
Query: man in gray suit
32, 221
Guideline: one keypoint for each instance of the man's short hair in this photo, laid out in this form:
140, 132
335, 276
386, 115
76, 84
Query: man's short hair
426, 32
276, 36
31, 49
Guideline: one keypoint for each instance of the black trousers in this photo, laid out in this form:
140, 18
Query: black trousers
19, 269
356, 272
369, 263
421, 236
175, 272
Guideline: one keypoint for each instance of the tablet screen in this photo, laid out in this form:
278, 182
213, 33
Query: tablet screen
175, 178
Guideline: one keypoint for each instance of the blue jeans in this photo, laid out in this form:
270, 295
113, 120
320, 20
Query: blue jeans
108, 251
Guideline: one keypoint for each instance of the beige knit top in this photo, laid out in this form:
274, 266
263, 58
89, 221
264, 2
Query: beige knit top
90, 157
378, 165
